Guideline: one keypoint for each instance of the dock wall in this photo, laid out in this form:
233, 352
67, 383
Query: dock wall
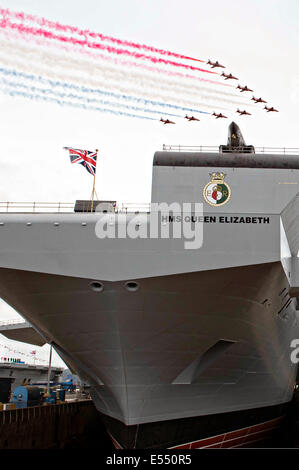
64, 425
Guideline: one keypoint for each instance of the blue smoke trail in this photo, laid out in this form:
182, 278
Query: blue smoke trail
35, 90
75, 105
83, 89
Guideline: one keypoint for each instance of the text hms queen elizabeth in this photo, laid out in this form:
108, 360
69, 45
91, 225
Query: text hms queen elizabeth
217, 219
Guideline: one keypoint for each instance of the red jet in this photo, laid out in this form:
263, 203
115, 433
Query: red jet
243, 88
229, 76
166, 121
271, 109
215, 64
219, 115
258, 100
191, 118
243, 113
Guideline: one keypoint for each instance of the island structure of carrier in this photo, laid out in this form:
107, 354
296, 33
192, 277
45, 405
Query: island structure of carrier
182, 348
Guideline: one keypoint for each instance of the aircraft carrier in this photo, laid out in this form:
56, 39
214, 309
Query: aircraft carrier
182, 348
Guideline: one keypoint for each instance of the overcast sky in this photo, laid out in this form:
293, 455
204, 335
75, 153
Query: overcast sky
257, 40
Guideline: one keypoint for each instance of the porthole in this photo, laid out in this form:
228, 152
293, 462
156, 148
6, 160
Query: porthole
97, 286
132, 286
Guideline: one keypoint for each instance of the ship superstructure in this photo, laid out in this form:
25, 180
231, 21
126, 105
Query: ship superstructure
181, 347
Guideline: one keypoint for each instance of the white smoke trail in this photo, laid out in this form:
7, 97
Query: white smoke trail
91, 68
13, 85
36, 97
111, 74
22, 64
82, 92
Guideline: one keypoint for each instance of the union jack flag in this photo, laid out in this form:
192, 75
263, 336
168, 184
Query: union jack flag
85, 157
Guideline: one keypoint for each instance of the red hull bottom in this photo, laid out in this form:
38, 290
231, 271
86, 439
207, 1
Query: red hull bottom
250, 436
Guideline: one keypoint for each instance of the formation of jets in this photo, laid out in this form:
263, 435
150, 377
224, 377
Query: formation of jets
189, 118
242, 113
239, 87
220, 115
228, 76
215, 64
243, 88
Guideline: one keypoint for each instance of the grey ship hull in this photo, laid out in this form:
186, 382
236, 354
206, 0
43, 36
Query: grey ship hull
208, 332
139, 348
231, 325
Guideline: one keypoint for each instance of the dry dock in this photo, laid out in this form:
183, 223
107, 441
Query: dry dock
64, 425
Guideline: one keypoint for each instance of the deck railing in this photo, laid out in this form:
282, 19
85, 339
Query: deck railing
214, 149
14, 321
67, 207
10, 206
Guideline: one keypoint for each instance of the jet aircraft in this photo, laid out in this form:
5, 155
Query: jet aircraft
243, 88
228, 77
242, 113
271, 109
166, 121
258, 100
219, 115
215, 64
191, 118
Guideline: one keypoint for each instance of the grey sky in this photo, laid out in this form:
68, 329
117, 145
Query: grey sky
257, 40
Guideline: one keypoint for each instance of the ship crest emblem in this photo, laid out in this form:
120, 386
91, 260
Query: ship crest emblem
217, 192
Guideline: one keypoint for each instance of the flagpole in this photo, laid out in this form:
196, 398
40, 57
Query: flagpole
94, 185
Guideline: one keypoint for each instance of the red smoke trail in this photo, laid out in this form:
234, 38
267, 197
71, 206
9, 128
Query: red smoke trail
44, 42
4, 23
85, 32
